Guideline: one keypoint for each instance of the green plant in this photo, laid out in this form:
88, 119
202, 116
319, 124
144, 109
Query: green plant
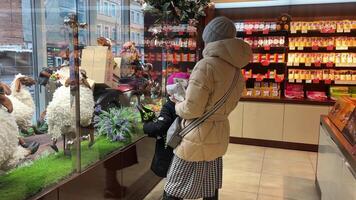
177, 11
116, 123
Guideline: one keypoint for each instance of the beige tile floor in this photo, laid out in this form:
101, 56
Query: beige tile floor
259, 173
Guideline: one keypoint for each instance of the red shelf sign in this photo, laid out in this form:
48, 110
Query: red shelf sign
315, 48
329, 64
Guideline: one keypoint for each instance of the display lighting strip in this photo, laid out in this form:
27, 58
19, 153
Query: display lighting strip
276, 3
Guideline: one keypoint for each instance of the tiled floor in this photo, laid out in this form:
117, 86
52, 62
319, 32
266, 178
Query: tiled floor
259, 173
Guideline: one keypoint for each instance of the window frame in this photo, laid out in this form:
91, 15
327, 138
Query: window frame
113, 10
106, 8
108, 32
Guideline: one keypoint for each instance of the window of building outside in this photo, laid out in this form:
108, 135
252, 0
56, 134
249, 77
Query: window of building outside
113, 10
106, 8
137, 18
98, 6
98, 30
106, 32
113, 33
16, 40
132, 17
132, 36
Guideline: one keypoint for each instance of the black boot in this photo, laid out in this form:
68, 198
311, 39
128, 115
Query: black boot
168, 197
216, 197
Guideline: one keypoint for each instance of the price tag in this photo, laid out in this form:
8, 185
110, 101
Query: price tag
291, 80
339, 30
299, 81
316, 81
347, 30
315, 48
248, 31
293, 31
317, 64
342, 48
300, 48
278, 79
330, 48
265, 31
329, 64
291, 48
328, 82
176, 48
308, 64
267, 47
304, 31
289, 64
308, 81
296, 64
265, 62
180, 33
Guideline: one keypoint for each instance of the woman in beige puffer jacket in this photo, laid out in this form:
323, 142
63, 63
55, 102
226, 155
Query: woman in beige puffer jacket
196, 169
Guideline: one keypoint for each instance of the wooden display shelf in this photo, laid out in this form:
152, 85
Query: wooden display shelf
272, 65
288, 101
182, 49
321, 50
177, 63
345, 83
323, 82
175, 34
265, 79
322, 66
269, 50
262, 33
320, 34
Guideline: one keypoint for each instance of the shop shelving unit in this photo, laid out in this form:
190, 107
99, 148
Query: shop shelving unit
282, 68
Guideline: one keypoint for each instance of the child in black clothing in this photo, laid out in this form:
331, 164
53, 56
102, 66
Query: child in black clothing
157, 128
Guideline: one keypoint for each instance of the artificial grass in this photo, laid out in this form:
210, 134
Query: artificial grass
24, 182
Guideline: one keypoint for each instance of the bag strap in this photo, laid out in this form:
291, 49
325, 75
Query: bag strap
196, 122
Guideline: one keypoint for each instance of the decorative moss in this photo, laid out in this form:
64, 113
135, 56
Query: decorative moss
24, 182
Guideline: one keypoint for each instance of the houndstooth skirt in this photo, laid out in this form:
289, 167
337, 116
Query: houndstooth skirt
194, 180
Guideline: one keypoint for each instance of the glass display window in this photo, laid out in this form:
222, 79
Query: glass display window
77, 115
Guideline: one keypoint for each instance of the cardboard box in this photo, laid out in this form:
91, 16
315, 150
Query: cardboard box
117, 68
97, 61
342, 111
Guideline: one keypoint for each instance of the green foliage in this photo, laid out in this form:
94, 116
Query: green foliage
177, 11
24, 182
116, 124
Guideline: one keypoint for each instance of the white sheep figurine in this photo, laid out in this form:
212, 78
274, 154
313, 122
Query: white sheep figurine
22, 101
59, 111
11, 153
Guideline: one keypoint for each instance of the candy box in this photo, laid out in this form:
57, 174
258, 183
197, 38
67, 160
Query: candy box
342, 111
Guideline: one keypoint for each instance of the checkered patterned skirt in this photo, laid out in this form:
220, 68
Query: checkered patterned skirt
194, 180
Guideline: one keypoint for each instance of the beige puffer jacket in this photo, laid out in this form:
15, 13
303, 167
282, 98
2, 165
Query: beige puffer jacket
210, 80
